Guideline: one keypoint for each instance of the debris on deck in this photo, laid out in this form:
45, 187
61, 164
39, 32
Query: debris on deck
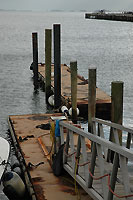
31, 135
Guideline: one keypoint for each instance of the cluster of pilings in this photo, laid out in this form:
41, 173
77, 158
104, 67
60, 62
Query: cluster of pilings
48, 62
116, 87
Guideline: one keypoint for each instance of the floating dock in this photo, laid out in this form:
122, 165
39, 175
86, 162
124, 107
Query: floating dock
103, 101
110, 16
41, 182
32, 139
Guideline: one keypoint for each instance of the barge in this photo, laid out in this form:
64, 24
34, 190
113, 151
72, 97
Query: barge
123, 16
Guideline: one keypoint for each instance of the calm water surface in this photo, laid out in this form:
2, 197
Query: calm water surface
107, 45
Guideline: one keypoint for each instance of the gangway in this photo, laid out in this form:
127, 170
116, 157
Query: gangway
92, 169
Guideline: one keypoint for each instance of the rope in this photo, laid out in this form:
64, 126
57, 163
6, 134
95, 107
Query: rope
68, 155
42, 145
75, 182
3, 163
83, 164
52, 134
25, 138
95, 178
119, 196
30, 165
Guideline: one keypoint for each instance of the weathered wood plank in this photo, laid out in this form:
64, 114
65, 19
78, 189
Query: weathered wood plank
114, 125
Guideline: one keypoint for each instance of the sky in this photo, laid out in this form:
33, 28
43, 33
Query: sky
67, 5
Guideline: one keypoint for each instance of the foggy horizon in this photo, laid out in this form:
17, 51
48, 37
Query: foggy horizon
69, 5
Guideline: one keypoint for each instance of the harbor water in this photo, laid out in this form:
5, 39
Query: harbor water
106, 45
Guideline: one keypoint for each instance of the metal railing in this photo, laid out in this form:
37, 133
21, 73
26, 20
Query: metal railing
91, 167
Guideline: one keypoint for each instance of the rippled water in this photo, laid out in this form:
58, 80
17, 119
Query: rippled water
107, 45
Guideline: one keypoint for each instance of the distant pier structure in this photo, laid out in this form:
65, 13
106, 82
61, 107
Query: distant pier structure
118, 16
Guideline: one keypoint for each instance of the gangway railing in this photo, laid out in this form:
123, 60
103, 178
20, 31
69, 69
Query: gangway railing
91, 168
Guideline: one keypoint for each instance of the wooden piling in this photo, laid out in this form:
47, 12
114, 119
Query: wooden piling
35, 57
91, 96
103, 101
57, 66
48, 45
117, 105
73, 67
116, 117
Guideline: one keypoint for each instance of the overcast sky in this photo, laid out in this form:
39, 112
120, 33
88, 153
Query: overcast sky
47, 5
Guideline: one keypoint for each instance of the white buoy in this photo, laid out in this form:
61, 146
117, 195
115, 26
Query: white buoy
13, 179
64, 109
52, 74
70, 111
51, 100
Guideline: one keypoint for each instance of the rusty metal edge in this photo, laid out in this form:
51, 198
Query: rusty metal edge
27, 176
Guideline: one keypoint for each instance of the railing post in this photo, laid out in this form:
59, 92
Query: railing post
48, 44
91, 96
35, 57
73, 67
57, 66
78, 152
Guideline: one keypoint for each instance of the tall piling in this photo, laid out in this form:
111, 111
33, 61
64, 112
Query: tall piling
35, 57
116, 117
73, 67
48, 55
117, 105
91, 96
57, 66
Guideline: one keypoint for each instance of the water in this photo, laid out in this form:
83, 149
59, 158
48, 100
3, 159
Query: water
107, 45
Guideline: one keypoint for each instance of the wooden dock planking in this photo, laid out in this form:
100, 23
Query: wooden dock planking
103, 101
42, 177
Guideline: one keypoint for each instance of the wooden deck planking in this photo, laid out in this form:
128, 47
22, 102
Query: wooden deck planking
82, 90
42, 177
103, 101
